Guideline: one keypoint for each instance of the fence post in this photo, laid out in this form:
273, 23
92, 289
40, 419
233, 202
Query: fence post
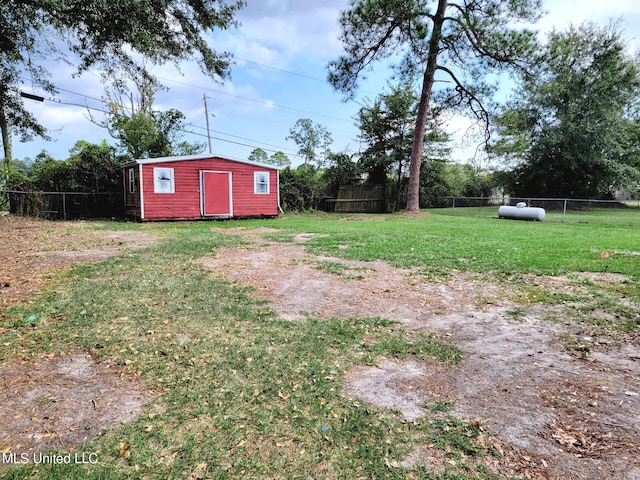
564, 211
453, 205
64, 206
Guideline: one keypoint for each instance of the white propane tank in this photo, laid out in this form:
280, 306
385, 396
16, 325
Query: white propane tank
521, 212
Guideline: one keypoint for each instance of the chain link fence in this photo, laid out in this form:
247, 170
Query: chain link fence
75, 205
566, 210
63, 205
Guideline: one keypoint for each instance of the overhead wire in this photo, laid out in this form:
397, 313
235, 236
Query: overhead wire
271, 67
279, 148
254, 100
282, 149
253, 145
218, 92
234, 142
302, 75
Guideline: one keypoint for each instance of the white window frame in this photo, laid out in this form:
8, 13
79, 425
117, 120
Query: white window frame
261, 179
132, 180
163, 180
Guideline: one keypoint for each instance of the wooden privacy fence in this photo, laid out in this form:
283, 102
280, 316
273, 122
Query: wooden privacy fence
360, 199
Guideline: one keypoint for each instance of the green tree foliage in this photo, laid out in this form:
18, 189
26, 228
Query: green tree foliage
258, 155
574, 123
342, 171
143, 132
463, 40
108, 35
313, 141
387, 130
14, 118
152, 134
301, 189
464, 180
117, 32
23, 167
22, 43
90, 168
433, 184
279, 159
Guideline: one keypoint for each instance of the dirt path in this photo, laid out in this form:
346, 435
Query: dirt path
61, 402
557, 415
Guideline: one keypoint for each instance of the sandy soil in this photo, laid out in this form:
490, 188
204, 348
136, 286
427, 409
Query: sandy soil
556, 414
553, 413
57, 402
32, 250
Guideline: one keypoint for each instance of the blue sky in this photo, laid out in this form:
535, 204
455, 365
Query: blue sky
281, 52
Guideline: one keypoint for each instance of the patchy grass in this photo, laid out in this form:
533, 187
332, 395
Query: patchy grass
513, 254
437, 244
340, 269
440, 406
422, 346
238, 392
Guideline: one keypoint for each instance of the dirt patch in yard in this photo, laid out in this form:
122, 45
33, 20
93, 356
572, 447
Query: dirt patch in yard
557, 414
33, 250
57, 402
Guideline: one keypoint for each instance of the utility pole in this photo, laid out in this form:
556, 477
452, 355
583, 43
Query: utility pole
206, 116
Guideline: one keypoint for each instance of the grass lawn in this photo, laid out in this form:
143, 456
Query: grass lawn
599, 216
440, 243
240, 393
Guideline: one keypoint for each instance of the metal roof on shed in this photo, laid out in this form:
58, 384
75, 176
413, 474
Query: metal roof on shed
201, 156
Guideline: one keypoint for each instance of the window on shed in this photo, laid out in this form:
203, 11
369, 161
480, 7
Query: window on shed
132, 180
163, 180
261, 182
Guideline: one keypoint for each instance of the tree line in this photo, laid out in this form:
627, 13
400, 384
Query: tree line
570, 128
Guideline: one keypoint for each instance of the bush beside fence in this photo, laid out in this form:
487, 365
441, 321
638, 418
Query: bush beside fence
75, 205
65, 205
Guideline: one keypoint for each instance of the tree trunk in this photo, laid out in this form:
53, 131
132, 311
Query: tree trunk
413, 193
6, 138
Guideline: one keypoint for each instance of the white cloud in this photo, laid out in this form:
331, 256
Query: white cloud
562, 13
299, 36
289, 29
467, 137
288, 8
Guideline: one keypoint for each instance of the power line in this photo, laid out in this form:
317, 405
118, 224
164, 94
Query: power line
254, 100
235, 143
282, 149
101, 100
62, 102
302, 75
290, 72
218, 92
55, 100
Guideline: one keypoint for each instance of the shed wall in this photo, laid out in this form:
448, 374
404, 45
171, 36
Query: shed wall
185, 202
131, 198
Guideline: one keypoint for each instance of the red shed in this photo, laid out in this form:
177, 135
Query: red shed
200, 187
